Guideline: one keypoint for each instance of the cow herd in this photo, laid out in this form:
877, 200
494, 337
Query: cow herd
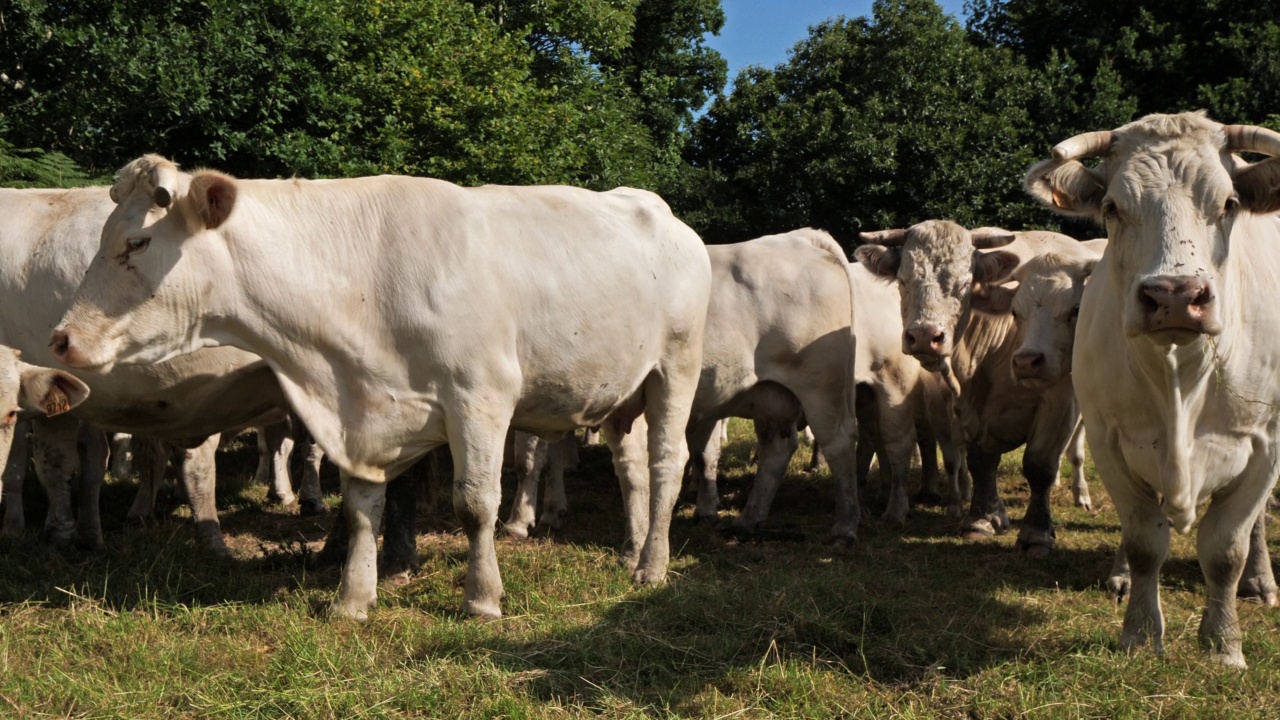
389, 316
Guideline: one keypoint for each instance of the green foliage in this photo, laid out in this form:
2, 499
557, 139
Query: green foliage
332, 87
871, 123
31, 167
1220, 55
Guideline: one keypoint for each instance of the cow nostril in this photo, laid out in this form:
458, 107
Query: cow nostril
940, 338
1202, 298
59, 342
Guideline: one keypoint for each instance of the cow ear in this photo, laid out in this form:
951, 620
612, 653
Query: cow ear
1068, 187
1258, 186
994, 299
881, 260
213, 196
994, 267
51, 392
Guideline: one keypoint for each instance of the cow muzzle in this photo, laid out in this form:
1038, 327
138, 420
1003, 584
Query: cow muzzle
928, 343
1177, 304
1029, 365
64, 347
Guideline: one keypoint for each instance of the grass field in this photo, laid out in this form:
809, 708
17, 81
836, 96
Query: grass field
912, 623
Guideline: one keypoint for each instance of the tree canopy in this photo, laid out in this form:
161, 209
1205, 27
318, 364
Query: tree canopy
483, 92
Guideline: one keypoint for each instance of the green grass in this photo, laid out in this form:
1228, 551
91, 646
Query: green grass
912, 623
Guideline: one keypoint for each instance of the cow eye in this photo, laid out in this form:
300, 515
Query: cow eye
11, 417
1109, 208
138, 244
1230, 206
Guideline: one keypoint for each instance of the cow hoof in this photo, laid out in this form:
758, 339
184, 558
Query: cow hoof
1035, 551
1085, 504
396, 579
630, 561
929, 499
516, 531
1257, 590
844, 543
1118, 585
978, 530
649, 576
481, 610
344, 611
312, 507
90, 543
552, 520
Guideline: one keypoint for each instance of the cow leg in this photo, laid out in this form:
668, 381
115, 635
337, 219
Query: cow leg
987, 515
363, 502
704, 465
275, 446
121, 455
777, 443
55, 454
835, 430
572, 454
150, 456
930, 479
897, 433
15, 473
554, 503
1055, 422
476, 446
262, 475
1258, 583
1222, 545
1145, 534
1075, 456
953, 466
530, 456
199, 476
631, 464
92, 450
669, 396
1119, 579
400, 529
311, 496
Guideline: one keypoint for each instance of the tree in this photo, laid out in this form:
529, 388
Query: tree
1221, 55
31, 167
870, 123
314, 87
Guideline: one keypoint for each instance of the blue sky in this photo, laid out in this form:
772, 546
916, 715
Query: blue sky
760, 32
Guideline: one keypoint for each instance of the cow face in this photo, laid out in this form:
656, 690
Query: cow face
35, 389
157, 273
937, 265
1045, 303
1169, 192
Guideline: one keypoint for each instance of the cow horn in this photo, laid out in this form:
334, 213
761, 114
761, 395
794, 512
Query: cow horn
885, 237
164, 180
1251, 138
988, 238
1090, 144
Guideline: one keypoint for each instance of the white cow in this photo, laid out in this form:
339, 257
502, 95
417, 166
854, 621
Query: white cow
47, 239
30, 391
774, 355
940, 269
1044, 299
400, 314
1176, 355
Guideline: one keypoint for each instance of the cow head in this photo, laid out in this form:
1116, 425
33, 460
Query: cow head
157, 272
937, 265
1045, 301
35, 389
1169, 192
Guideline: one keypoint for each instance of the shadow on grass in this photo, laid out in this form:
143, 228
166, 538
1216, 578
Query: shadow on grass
908, 604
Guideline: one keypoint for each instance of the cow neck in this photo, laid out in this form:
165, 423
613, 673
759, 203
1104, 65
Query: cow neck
318, 330
984, 336
1219, 377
